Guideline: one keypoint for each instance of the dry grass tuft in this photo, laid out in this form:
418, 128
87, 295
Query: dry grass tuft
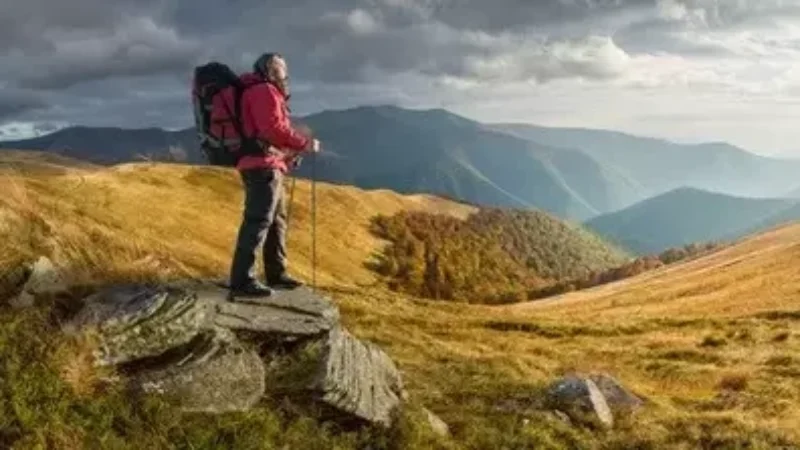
735, 382
74, 359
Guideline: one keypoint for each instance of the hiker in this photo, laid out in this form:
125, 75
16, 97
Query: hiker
265, 117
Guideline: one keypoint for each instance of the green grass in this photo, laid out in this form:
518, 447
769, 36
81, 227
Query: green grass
39, 408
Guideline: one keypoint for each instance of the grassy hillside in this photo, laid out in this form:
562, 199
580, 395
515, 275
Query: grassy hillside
495, 256
714, 345
182, 219
687, 215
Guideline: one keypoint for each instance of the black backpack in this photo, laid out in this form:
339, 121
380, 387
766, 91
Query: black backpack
209, 80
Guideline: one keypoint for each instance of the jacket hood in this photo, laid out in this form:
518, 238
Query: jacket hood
251, 78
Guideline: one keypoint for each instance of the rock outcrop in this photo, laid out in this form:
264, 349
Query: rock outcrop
205, 353
357, 377
592, 398
219, 375
40, 278
293, 313
140, 321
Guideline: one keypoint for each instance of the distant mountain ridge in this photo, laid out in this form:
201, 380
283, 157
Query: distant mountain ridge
689, 215
440, 152
658, 166
572, 173
111, 145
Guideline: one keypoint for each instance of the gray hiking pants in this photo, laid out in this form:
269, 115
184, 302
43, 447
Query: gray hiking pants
264, 218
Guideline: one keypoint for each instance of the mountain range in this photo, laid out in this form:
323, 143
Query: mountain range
688, 215
577, 174
657, 166
109, 145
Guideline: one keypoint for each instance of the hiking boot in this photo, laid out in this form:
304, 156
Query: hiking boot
283, 281
252, 289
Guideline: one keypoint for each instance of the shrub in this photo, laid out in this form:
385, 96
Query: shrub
495, 256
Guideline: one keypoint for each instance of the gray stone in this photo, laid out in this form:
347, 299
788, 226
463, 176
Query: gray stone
437, 424
43, 278
217, 376
180, 340
298, 312
580, 398
358, 378
139, 321
617, 397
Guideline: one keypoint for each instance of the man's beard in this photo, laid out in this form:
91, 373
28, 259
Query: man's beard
283, 86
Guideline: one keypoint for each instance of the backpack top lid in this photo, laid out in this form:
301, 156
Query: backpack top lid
215, 74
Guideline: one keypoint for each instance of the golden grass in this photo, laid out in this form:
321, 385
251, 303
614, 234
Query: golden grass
710, 341
760, 274
173, 220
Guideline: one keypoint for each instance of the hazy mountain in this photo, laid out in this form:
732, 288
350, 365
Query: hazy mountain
572, 173
111, 145
791, 214
688, 215
659, 166
794, 194
440, 152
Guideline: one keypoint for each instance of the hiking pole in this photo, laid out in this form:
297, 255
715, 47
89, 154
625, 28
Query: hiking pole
289, 212
313, 222
295, 162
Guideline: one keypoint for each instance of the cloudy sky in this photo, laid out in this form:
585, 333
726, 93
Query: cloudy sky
687, 70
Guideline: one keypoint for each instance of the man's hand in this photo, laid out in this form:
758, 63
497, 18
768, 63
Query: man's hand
313, 146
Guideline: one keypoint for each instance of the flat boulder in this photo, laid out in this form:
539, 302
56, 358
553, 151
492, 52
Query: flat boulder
295, 313
139, 321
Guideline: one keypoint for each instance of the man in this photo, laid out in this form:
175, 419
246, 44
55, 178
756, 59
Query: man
265, 117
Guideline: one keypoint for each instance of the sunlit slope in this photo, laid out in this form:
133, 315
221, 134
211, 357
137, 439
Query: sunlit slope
143, 219
760, 273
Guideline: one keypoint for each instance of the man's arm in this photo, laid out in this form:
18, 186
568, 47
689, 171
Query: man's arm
271, 123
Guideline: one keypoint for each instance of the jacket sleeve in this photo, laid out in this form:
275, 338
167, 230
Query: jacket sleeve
270, 121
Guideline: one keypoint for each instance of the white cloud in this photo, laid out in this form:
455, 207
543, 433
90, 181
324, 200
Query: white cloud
16, 130
361, 22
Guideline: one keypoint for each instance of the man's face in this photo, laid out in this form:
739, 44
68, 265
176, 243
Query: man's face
279, 71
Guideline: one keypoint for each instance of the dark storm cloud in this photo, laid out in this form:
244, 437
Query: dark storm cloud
138, 47
14, 102
130, 60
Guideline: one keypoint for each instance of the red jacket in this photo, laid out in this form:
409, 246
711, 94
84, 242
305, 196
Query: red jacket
265, 116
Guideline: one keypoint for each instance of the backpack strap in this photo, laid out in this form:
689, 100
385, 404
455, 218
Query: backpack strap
248, 144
